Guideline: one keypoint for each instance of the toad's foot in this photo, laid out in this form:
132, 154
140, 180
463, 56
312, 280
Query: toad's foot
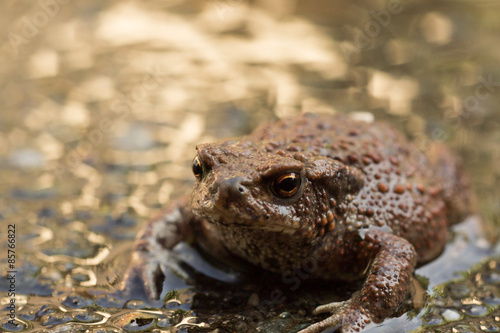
348, 316
330, 307
155, 264
147, 272
153, 258
385, 290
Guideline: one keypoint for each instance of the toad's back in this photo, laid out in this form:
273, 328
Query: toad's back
416, 193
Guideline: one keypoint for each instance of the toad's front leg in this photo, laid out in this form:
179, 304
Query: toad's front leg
152, 254
386, 288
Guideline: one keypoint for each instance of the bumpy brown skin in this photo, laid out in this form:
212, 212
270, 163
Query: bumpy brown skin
370, 206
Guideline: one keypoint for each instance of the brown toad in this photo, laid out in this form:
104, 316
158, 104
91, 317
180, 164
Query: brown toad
355, 197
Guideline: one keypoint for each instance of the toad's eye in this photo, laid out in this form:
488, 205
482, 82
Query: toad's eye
197, 168
286, 185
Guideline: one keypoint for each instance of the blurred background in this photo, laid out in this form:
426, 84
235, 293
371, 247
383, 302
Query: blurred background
102, 103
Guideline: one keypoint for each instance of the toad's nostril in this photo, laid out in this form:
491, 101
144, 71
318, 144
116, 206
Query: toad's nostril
233, 187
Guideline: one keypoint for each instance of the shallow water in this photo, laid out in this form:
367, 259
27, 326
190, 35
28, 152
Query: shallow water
103, 102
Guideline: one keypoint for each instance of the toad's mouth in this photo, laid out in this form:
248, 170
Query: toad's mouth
228, 213
243, 211
255, 225
230, 217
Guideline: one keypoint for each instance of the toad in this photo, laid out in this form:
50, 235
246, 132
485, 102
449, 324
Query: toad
356, 197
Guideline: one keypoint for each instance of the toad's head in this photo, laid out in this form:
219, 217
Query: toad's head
241, 184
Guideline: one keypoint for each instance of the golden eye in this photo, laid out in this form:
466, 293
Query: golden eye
286, 185
197, 168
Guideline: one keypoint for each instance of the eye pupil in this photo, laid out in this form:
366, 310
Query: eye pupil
287, 185
197, 168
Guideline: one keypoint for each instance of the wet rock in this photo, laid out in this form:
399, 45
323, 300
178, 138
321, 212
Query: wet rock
87, 317
451, 315
56, 318
76, 302
274, 326
476, 310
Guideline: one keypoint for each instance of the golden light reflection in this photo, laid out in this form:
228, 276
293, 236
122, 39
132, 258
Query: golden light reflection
103, 104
